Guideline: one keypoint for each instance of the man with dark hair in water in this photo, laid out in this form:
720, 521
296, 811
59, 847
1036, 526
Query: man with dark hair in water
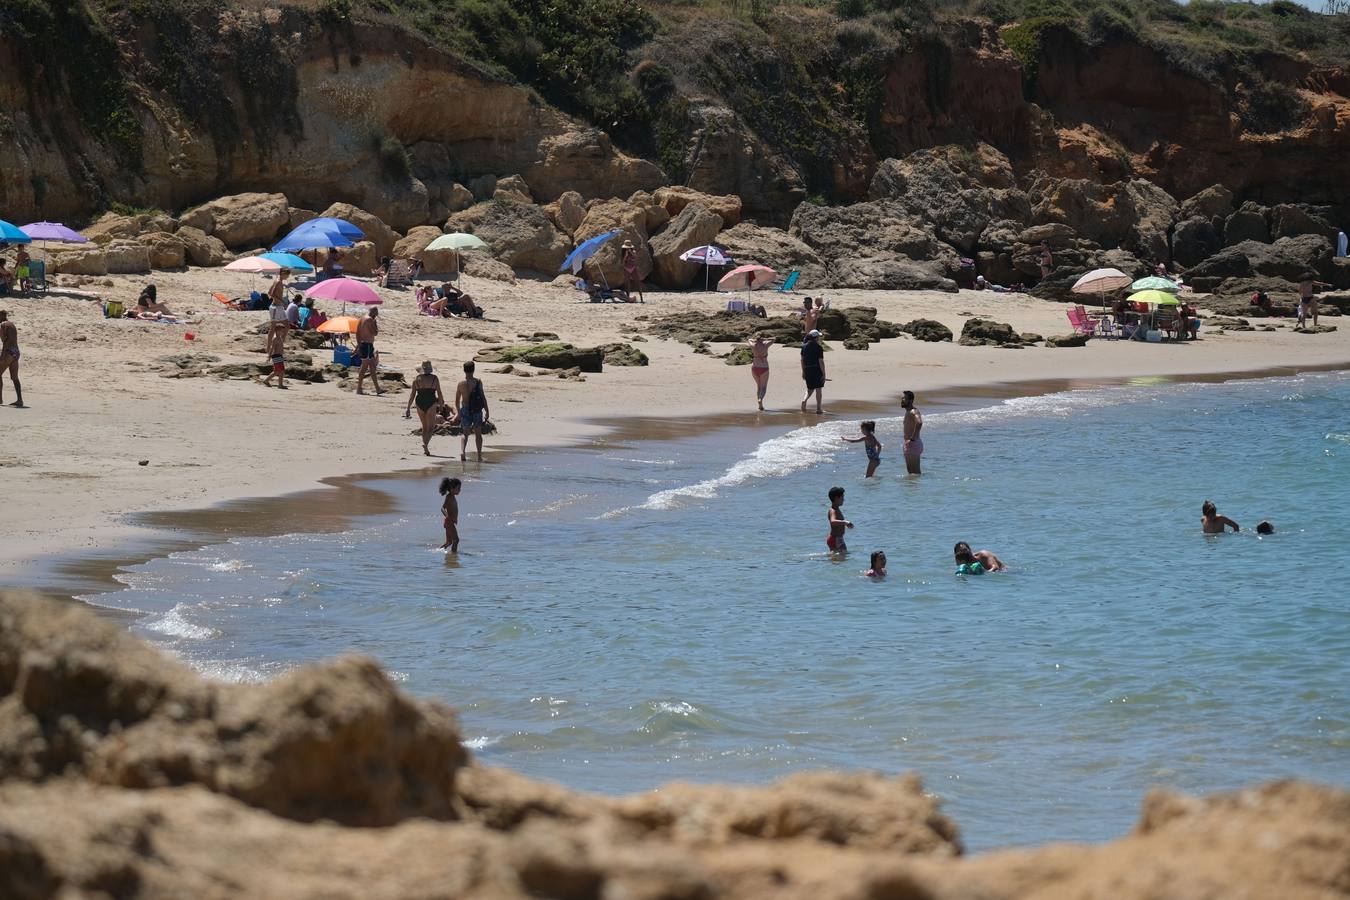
913, 446
9, 357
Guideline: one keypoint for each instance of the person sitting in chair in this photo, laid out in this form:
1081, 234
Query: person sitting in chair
6, 277
460, 303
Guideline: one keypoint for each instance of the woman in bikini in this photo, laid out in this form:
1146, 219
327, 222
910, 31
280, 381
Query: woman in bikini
759, 366
631, 282
426, 393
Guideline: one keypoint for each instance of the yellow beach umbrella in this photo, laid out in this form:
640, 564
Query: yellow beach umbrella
1157, 298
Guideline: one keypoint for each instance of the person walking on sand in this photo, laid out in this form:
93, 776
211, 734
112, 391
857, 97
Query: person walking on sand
913, 446
471, 401
277, 323
276, 351
425, 391
450, 513
1307, 298
9, 359
838, 524
632, 284
870, 444
366, 331
813, 369
1213, 523
759, 367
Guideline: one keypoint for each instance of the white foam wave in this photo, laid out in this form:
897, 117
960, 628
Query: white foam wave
679, 708
482, 742
173, 624
234, 673
228, 565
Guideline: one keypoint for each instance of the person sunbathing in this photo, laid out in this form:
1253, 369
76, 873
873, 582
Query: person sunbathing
149, 301
459, 303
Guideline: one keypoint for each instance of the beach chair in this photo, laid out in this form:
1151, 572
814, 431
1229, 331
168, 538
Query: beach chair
1107, 328
37, 275
790, 282
1078, 318
400, 274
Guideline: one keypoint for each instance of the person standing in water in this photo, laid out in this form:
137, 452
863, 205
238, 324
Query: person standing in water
9, 358
870, 444
1213, 523
366, 331
471, 401
878, 565
913, 446
450, 513
975, 562
426, 392
759, 367
813, 369
838, 524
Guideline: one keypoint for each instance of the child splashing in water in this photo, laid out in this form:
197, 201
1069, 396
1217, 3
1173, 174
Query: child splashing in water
450, 510
870, 444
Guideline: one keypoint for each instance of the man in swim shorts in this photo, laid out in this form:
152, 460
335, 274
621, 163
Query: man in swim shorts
9, 358
838, 524
813, 368
913, 447
366, 332
471, 401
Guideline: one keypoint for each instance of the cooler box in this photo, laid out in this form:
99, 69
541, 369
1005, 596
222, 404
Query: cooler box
343, 356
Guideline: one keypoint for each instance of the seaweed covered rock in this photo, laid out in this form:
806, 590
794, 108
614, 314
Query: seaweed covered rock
986, 332
547, 356
695, 328
622, 355
927, 330
1067, 340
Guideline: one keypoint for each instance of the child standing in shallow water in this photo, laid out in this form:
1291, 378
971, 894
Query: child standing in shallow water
838, 523
870, 444
450, 510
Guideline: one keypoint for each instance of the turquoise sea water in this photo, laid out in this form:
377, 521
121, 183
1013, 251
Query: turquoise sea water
665, 610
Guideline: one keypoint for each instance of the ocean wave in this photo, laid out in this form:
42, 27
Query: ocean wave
175, 625
234, 673
677, 717
482, 742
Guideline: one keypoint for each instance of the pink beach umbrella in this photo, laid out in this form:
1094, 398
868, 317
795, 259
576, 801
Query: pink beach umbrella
254, 265
747, 278
347, 290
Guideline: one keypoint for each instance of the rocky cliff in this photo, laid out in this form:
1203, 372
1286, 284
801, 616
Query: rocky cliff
124, 774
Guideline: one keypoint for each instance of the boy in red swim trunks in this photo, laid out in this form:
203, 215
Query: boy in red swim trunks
450, 513
838, 523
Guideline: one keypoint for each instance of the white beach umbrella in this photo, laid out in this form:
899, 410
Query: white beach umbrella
1099, 281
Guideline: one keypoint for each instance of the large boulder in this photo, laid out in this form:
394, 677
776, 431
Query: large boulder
1249, 223
1287, 258
1132, 215
360, 258
928, 330
675, 198
875, 228
298, 217
1213, 203
479, 264
376, 231
518, 234
414, 243
694, 226
955, 194
775, 248
655, 214
512, 188
881, 274
547, 356
1292, 220
241, 220
202, 249
458, 198
1194, 240
567, 212
585, 160
110, 226
628, 218
127, 257
986, 332
82, 259
167, 251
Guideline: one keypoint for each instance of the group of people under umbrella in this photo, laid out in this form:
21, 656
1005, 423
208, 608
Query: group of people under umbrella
1154, 301
746, 278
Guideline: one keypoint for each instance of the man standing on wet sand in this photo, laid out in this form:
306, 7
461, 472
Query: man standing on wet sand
366, 332
913, 446
813, 368
9, 358
471, 401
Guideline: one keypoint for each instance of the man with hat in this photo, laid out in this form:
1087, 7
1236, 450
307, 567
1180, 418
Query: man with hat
813, 368
632, 284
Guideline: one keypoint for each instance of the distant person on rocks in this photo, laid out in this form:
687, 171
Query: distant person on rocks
870, 444
1046, 261
450, 513
9, 359
366, 331
471, 401
759, 367
632, 283
838, 524
913, 424
425, 391
975, 562
1213, 523
813, 369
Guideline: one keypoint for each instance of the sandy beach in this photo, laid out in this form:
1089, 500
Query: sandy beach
101, 399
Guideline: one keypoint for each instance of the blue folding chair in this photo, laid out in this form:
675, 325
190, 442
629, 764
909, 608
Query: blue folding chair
790, 282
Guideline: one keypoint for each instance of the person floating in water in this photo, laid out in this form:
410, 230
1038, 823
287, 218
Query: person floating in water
878, 569
975, 562
450, 510
1213, 523
870, 444
913, 446
838, 524
1265, 528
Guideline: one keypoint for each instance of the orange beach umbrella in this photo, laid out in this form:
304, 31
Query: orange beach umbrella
340, 325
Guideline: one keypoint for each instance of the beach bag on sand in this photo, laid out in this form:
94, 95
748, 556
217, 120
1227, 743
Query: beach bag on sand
113, 309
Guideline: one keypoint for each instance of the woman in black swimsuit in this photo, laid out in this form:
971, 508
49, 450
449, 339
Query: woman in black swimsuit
426, 393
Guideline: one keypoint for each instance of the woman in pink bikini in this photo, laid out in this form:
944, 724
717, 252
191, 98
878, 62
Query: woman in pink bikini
759, 366
632, 284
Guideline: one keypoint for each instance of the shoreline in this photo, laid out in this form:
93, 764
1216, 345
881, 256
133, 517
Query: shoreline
333, 503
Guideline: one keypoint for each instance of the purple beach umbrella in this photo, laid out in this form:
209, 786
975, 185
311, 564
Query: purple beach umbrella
53, 231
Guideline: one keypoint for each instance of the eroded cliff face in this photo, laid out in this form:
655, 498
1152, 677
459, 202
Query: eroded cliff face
124, 774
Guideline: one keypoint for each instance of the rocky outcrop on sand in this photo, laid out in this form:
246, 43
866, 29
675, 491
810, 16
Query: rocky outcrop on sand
986, 332
927, 330
547, 356
518, 234
123, 773
695, 225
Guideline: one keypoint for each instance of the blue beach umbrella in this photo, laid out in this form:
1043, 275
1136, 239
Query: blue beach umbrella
586, 249
341, 226
310, 236
13, 234
289, 261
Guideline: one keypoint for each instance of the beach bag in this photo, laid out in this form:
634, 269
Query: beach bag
113, 309
477, 399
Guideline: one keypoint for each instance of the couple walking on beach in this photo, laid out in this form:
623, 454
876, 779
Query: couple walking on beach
470, 411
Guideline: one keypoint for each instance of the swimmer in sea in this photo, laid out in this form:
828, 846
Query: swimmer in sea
1265, 528
878, 569
838, 524
975, 562
870, 444
913, 446
450, 510
1213, 523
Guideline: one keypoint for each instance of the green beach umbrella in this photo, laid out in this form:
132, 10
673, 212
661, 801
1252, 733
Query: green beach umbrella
1155, 283
1157, 298
458, 241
